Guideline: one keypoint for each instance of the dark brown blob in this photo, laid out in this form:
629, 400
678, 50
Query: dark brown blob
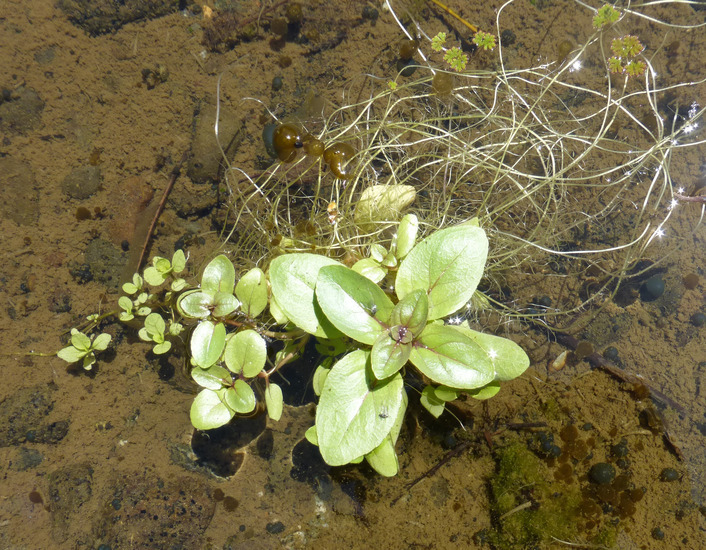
286, 140
83, 213
279, 26
691, 281
230, 504
218, 495
313, 147
338, 157
442, 83
294, 13
407, 49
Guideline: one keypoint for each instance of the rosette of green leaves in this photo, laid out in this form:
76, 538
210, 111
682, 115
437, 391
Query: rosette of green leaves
83, 348
226, 364
162, 269
362, 399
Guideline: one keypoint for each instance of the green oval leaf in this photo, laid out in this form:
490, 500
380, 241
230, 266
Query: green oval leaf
208, 411
293, 279
354, 304
388, 356
154, 324
274, 401
447, 265
246, 353
383, 458
370, 269
213, 378
195, 305
224, 304
251, 290
486, 392
240, 397
411, 312
382, 203
509, 360
349, 421
207, 343
218, 276
406, 235
431, 402
451, 358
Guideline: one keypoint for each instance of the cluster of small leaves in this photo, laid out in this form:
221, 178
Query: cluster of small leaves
484, 40
456, 59
84, 348
626, 49
605, 15
368, 338
438, 41
362, 400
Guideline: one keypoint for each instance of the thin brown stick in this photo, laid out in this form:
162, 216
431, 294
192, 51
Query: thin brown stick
160, 208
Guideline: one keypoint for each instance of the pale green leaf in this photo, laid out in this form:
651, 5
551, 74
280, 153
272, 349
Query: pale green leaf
70, 354
509, 360
293, 279
319, 379
448, 265
355, 305
450, 358
383, 458
311, 436
101, 342
213, 378
388, 356
195, 304
80, 341
153, 276
406, 235
251, 290
379, 204
274, 401
444, 393
224, 304
209, 411
355, 413
218, 276
411, 312
240, 397
178, 261
431, 402
207, 343
162, 347
125, 303
370, 269
246, 353
486, 392
154, 324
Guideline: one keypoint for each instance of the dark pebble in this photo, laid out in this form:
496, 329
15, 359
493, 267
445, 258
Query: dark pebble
116, 504
669, 474
652, 288
657, 534
277, 83
370, 13
611, 353
507, 37
698, 319
406, 68
275, 527
620, 449
544, 301
601, 473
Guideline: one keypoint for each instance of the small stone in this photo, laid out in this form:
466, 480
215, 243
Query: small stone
82, 182
601, 473
698, 319
657, 533
652, 288
275, 527
669, 475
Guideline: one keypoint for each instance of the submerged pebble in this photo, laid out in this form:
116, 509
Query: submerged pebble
601, 473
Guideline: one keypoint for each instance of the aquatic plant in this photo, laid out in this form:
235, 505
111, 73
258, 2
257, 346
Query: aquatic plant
501, 172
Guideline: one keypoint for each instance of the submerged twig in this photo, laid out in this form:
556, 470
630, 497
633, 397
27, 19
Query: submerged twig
160, 208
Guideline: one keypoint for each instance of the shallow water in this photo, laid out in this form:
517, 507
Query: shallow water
107, 460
